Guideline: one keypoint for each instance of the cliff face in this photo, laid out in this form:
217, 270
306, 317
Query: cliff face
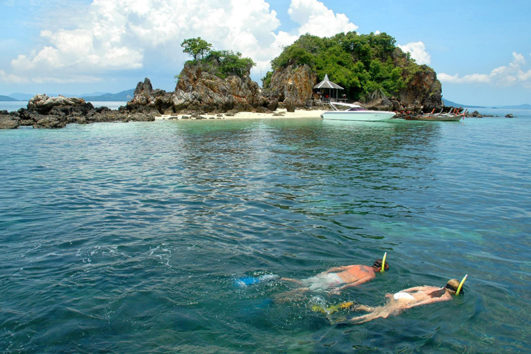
293, 86
423, 91
199, 90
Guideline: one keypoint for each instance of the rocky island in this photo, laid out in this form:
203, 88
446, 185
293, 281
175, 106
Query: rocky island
371, 69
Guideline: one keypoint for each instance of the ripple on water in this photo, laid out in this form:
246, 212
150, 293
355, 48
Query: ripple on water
128, 237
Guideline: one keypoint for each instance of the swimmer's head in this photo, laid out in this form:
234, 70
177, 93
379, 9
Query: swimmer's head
378, 265
452, 285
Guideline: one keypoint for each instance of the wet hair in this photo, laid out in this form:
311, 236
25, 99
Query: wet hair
453, 284
378, 264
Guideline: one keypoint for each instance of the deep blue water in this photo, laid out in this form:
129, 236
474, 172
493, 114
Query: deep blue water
127, 237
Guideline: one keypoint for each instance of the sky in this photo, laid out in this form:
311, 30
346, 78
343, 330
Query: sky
480, 49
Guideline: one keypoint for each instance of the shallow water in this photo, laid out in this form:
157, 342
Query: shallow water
128, 236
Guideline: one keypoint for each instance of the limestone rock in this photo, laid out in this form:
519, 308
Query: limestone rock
422, 92
8, 121
200, 90
61, 105
147, 100
293, 86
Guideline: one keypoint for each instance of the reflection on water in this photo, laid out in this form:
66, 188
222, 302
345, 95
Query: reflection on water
127, 237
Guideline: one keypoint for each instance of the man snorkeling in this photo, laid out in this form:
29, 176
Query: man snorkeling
337, 279
408, 298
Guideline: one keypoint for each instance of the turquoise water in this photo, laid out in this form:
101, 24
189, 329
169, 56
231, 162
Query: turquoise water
127, 237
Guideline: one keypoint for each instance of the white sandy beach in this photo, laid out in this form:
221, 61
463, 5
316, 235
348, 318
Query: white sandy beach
278, 114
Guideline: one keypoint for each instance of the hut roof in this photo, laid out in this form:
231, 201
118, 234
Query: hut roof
326, 83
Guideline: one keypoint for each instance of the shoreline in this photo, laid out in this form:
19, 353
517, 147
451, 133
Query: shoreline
281, 113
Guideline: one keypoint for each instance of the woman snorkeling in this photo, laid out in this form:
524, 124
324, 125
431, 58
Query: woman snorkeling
408, 298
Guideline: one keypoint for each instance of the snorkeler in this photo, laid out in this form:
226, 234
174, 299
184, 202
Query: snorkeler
408, 298
339, 278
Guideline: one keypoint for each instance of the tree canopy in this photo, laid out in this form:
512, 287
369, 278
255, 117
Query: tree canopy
221, 63
362, 64
196, 47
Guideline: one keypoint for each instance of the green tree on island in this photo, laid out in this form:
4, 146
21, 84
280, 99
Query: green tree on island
196, 47
221, 63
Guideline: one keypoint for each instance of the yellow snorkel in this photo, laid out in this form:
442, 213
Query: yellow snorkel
461, 285
383, 263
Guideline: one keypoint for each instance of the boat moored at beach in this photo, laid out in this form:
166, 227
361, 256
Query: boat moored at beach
354, 112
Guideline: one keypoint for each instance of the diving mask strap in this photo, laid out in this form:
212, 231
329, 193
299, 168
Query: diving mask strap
461, 284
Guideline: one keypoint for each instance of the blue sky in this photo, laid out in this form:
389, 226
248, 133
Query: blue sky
481, 50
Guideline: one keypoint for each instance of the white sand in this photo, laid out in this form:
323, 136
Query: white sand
278, 114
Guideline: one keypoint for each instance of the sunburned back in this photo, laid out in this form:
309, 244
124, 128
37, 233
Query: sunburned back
356, 273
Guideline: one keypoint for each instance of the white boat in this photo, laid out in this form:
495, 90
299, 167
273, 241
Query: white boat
355, 112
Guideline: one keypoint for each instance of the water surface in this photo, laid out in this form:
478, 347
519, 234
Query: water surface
128, 236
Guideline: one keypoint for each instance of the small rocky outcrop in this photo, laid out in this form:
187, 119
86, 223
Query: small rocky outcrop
56, 112
8, 121
45, 105
379, 101
293, 86
147, 100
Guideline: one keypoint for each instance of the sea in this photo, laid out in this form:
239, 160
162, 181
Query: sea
131, 237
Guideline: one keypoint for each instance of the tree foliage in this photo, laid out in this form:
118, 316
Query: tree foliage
221, 63
196, 47
362, 64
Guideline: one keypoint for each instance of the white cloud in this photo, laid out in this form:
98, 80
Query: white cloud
417, 51
472, 78
508, 75
315, 18
113, 35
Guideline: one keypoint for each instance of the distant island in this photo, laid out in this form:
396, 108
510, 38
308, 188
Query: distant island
7, 98
123, 96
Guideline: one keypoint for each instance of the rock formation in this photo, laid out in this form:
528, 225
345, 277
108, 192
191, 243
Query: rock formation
293, 86
8, 121
148, 100
199, 90
422, 92
56, 112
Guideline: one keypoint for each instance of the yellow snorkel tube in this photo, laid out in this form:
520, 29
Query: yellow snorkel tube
383, 263
461, 285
